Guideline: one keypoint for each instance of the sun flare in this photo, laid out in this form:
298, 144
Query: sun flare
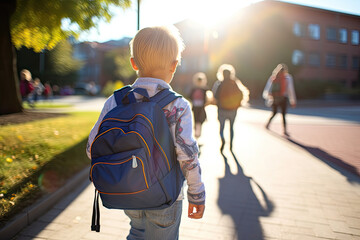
213, 13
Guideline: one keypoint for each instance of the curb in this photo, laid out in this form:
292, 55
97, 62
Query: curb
40, 207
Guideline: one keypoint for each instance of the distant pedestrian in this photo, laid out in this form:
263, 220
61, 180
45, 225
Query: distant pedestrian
26, 87
198, 99
48, 91
230, 94
92, 89
278, 91
38, 89
55, 90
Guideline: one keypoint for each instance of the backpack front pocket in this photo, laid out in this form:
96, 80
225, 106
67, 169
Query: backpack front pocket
120, 174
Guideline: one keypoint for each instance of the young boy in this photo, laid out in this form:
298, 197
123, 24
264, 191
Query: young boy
155, 54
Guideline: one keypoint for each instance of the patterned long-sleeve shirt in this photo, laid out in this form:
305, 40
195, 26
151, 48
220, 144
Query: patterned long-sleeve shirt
179, 117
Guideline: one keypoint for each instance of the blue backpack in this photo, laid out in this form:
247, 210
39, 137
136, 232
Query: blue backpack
133, 158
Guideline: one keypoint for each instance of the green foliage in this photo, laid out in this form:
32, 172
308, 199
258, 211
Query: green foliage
60, 67
37, 24
110, 87
61, 60
117, 65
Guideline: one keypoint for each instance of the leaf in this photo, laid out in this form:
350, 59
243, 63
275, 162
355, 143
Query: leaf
21, 138
37, 24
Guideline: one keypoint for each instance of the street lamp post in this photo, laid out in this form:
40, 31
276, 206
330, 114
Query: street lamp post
138, 15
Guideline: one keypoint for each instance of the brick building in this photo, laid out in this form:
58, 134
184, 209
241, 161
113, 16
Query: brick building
327, 43
92, 54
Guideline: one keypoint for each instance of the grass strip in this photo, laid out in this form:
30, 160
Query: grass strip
47, 104
37, 157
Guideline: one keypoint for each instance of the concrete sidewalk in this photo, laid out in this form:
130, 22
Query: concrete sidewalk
268, 188
329, 132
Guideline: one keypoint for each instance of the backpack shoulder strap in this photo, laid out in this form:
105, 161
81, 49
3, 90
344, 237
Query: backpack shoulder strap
120, 93
164, 97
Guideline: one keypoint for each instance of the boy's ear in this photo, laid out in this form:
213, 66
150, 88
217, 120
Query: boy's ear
173, 66
133, 64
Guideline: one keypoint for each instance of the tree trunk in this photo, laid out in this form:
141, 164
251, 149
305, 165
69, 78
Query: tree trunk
10, 101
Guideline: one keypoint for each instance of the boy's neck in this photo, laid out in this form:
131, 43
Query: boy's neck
159, 75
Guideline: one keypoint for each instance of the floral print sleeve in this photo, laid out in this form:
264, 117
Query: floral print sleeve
179, 117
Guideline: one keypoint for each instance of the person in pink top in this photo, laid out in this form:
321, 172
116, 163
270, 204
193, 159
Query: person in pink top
278, 91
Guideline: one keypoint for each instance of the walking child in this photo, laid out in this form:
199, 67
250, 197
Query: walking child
278, 91
155, 54
198, 99
26, 87
229, 94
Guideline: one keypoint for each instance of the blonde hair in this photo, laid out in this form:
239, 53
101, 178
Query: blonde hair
26, 73
225, 67
155, 48
199, 79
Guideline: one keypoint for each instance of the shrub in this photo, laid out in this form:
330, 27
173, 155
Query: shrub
310, 89
110, 87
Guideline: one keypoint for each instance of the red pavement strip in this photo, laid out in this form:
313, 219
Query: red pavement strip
335, 143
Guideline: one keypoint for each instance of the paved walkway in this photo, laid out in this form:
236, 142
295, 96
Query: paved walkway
271, 187
328, 133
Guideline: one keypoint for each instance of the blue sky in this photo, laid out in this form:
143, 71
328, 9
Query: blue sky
162, 12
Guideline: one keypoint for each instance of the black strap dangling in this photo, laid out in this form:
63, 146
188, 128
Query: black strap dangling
95, 222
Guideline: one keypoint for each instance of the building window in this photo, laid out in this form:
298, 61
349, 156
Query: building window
331, 60
298, 57
299, 29
342, 35
355, 37
314, 59
331, 34
356, 62
314, 31
343, 61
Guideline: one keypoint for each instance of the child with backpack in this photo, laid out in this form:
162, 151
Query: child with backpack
278, 91
155, 54
26, 87
229, 94
198, 99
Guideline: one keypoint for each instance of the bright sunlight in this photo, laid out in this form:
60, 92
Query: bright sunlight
212, 13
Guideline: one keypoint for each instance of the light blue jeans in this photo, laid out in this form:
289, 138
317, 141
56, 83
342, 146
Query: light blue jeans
155, 224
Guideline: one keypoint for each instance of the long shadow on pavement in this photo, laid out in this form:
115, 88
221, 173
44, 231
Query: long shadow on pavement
338, 164
334, 162
237, 199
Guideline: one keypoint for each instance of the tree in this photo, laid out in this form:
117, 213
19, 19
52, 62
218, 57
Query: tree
117, 65
38, 24
9, 93
60, 66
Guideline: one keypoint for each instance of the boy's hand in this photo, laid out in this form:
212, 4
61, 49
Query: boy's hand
197, 213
